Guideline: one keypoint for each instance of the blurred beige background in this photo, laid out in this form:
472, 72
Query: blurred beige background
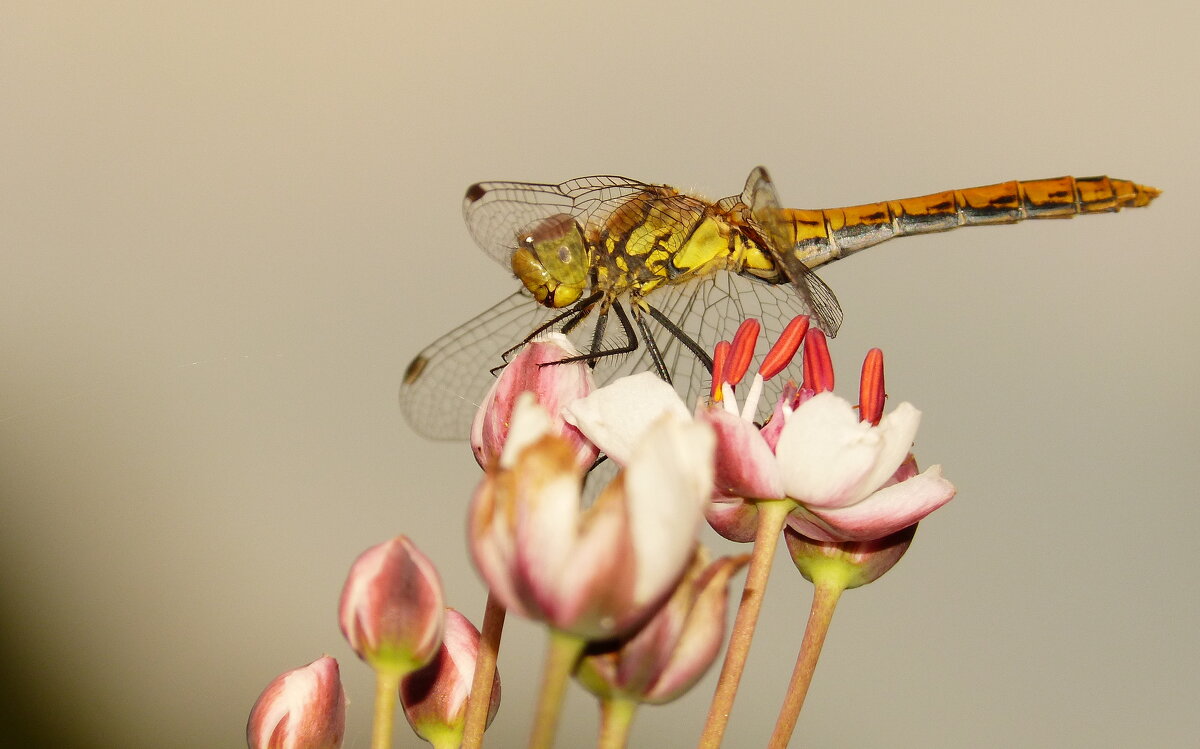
226, 228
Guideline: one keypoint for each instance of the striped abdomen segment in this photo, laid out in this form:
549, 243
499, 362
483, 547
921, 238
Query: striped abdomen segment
825, 235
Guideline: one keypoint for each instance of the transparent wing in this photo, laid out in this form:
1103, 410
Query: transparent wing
444, 384
711, 311
765, 210
498, 212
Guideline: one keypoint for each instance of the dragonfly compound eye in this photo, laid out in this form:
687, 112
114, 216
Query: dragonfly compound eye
552, 260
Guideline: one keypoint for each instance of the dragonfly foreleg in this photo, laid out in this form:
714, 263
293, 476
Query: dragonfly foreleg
573, 315
631, 342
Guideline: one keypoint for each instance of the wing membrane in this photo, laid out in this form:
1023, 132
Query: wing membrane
498, 212
766, 211
712, 311
446, 381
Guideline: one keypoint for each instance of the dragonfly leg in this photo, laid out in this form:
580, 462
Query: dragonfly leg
682, 337
598, 336
573, 316
631, 342
660, 366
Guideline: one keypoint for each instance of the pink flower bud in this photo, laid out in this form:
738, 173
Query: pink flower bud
302, 709
534, 369
435, 697
850, 563
673, 650
391, 611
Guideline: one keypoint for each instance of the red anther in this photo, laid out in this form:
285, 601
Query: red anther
785, 348
744, 341
720, 359
818, 367
871, 394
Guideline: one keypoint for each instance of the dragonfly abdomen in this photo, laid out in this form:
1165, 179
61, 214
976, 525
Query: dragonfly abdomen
822, 236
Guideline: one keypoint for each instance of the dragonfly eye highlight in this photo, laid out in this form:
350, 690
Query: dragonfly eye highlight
551, 259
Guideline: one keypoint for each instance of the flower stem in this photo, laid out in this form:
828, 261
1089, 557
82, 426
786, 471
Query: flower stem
561, 654
616, 718
825, 598
480, 701
771, 516
387, 685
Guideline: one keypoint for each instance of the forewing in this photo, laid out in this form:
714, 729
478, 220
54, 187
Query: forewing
444, 384
498, 213
765, 210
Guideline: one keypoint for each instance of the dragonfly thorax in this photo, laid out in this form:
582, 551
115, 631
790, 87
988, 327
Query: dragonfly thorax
551, 259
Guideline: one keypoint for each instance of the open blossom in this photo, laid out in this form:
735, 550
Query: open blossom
597, 572
844, 468
435, 696
537, 368
304, 708
667, 656
392, 611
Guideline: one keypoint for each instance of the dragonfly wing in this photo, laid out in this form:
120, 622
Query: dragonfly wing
711, 310
444, 384
765, 210
498, 213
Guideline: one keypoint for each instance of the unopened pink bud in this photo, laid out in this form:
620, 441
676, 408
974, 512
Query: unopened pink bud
392, 612
435, 697
302, 709
667, 656
537, 368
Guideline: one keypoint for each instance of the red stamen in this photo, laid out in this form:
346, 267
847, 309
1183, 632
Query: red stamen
871, 395
818, 367
744, 341
720, 359
785, 348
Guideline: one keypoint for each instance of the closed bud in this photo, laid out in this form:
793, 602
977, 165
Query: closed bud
392, 611
302, 709
536, 369
667, 656
435, 697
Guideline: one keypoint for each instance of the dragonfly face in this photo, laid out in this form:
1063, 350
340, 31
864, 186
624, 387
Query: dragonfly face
551, 260
689, 270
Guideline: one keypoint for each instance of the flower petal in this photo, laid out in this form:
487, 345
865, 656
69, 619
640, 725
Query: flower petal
745, 465
889, 509
702, 634
529, 422
615, 416
669, 482
829, 458
735, 519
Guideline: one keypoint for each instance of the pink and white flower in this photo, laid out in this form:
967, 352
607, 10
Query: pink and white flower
595, 572
843, 468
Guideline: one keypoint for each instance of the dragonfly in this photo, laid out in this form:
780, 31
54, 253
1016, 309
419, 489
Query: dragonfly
678, 273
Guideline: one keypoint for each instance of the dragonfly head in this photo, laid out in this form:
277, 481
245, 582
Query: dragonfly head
551, 259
